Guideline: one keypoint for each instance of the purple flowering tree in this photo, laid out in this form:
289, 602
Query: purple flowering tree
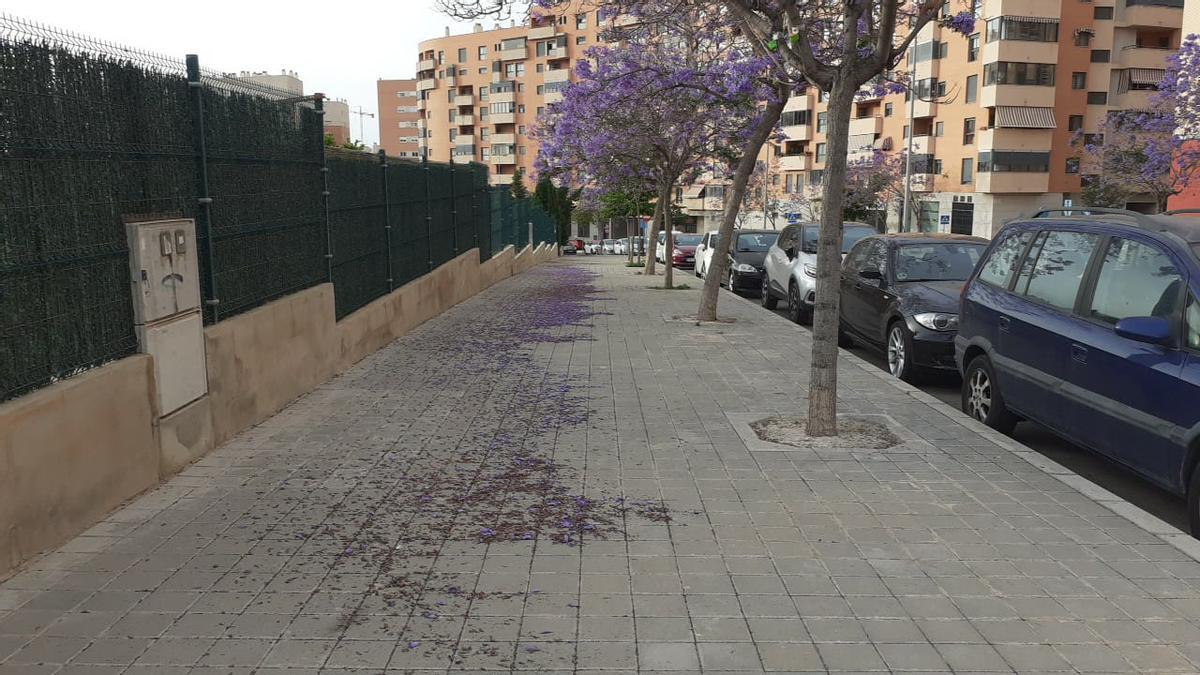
1146, 152
873, 184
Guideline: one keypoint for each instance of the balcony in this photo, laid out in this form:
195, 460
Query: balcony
465, 120
464, 100
463, 158
450, 80
798, 102
1131, 100
1029, 140
794, 163
503, 118
798, 132
922, 108
422, 123
922, 145
1012, 182
542, 32
500, 179
421, 104
1031, 96
866, 125
556, 75
1047, 9
426, 64
500, 160
1157, 14
503, 139
514, 54
553, 96
1020, 51
502, 96
1142, 57
557, 53
922, 182
425, 85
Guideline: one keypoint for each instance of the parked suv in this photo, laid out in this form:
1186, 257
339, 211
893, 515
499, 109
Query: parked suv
1089, 325
900, 295
790, 268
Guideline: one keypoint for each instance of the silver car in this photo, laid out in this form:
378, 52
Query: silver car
791, 267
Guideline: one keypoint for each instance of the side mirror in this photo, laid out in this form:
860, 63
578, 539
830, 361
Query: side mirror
1153, 330
870, 273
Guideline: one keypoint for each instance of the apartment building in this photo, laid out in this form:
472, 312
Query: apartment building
480, 94
991, 127
399, 117
1189, 198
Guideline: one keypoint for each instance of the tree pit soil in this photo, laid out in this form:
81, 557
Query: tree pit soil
852, 433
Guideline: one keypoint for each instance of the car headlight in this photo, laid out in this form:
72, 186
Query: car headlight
810, 270
677, 252
938, 321
743, 267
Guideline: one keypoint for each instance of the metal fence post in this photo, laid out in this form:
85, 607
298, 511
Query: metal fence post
204, 201
428, 212
387, 217
530, 242
319, 109
453, 208
475, 212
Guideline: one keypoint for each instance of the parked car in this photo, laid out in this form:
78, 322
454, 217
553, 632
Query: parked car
569, 249
608, 246
790, 270
592, 248
684, 254
704, 252
900, 295
621, 246
747, 257
577, 243
1090, 326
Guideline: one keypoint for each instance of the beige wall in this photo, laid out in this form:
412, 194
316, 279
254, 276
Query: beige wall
72, 452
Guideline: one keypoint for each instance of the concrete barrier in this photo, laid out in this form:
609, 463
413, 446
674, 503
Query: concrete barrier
72, 452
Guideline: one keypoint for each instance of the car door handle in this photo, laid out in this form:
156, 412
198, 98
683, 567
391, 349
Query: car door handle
1079, 353
1005, 322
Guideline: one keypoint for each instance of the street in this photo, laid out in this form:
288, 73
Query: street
1089, 465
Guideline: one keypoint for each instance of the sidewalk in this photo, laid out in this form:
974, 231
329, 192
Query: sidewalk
550, 477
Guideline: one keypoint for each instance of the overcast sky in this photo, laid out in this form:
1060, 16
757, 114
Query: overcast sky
339, 48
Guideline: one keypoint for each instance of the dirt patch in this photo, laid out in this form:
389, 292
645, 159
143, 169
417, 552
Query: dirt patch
852, 433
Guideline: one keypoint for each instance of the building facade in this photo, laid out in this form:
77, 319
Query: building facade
287, 80
1189, 197
399, 117
480, 94
991, 128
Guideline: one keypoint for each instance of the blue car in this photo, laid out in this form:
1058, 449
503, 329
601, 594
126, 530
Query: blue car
1089, 324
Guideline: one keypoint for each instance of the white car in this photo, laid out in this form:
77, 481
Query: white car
790, 270
609, 246
621, 247
704, 252
591, 247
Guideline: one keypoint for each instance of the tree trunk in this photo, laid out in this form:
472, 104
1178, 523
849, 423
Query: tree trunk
822, 385
719, 266
652, 239
664, 194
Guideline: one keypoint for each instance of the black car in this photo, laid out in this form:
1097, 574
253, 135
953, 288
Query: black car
746, 259
900, 295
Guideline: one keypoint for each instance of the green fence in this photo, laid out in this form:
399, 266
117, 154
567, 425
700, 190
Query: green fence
94, 135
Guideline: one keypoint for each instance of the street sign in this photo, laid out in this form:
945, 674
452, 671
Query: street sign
792, 217
944, 220
1068, 203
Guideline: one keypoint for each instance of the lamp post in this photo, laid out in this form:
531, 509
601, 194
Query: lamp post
358, 110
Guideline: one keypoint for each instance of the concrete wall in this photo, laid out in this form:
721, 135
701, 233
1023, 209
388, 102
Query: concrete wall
72, 452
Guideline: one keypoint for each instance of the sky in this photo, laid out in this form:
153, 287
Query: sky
338, 48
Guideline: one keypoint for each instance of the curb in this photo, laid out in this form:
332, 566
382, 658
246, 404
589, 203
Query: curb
1181, 541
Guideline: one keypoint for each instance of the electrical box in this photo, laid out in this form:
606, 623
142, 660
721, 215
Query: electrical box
165, 278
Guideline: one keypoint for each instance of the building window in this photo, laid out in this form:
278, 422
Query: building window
887, 109
822, 96
521, 87
1012, 72
462, 54
939, 129
520, 150
581, 22
930, 51
820, 158
968, 170
541, 89
972, 93
1072, 165
973, 47
541, 67
580, 39
904, 133
503, 108
1014, 162
787, 183
1074, 122
483, 53
484, 133
483, 113
969, 131
822, 122
441, 57
521, 129
793, 118
483, 70
1019, 28
937, 167
521, 108
1097, 98
1103, 13
540, 110
1083, 38
514, 70
1100, 56
816, 176
1079, 81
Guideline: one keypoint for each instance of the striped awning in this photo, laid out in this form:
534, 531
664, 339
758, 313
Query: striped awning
1150, 76
861, 142
1021, 117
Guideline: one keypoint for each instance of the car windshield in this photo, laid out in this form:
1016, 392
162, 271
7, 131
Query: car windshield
850, 236
937, 261
609, 242
687, 239
755, 242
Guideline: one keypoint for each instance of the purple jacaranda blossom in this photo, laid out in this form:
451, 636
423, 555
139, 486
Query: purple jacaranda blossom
429, 615
529, 649
414, 644
487, 533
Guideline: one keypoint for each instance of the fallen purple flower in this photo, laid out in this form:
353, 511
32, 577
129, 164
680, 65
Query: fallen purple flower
529, 649
414, 644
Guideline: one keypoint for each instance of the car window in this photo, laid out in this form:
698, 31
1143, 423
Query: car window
855, 257
999, 266
875, 257
788, 237
937, 261
1135, 280
1192, 323
754, 242
1061, 262
850, 236
687, 239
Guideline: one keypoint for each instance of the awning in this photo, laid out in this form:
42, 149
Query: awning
861, 142
693, 191
1021, 117
1148, 76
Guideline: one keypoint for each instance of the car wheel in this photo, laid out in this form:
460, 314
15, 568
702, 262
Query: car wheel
844, 340
729, 281
900, 351
768, 301
797, 312
981, 396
